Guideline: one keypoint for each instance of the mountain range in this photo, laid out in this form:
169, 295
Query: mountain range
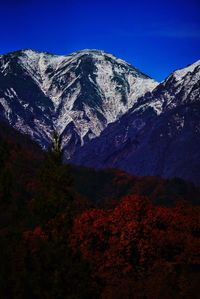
108, 113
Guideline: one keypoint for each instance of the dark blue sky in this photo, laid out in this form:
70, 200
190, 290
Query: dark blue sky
155, 36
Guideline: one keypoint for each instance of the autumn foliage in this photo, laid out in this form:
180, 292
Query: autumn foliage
134, 241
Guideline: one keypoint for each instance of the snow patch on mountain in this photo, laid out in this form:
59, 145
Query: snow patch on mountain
181, 73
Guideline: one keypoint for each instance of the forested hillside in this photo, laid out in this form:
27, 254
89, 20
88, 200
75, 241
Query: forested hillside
70, 232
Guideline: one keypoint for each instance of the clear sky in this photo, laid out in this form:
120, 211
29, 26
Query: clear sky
155, 36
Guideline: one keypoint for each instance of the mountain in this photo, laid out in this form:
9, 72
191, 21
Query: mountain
77, 95
160, 135
108, 112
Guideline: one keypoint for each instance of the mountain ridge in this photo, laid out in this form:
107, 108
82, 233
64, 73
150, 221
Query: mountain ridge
159, 135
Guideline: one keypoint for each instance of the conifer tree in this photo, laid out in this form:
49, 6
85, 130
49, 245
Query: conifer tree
56, 194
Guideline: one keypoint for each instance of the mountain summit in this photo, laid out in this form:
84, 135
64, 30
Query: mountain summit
78, 95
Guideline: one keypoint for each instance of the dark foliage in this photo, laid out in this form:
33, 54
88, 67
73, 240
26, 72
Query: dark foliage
70, 232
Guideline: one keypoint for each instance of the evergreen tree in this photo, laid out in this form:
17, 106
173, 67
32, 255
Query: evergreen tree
56, 192
55, 150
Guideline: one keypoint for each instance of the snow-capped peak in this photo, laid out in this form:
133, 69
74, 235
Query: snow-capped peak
40, 60
77, 94
181, 73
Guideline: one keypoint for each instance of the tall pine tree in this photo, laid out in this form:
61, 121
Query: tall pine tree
56, 183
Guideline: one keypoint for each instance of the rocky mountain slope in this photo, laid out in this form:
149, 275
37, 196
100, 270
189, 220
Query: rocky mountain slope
160, 135
77, 95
